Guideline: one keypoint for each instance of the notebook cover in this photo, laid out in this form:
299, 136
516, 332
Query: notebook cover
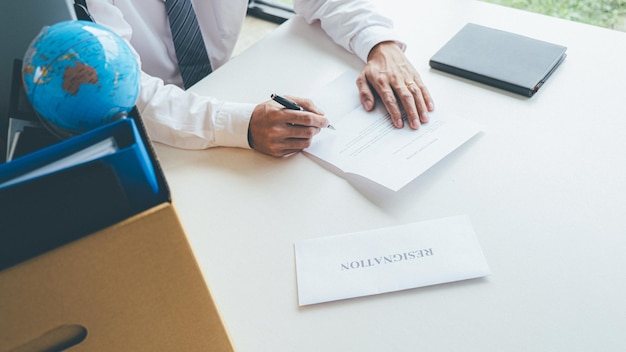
501, 59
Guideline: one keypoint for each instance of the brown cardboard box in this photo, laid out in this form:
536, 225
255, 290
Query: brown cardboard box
131, 286
134, 286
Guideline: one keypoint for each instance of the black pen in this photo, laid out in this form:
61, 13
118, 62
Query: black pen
291, 105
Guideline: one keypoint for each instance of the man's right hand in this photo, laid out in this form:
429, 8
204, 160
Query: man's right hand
277, 131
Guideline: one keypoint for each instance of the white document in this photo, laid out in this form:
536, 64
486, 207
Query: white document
388, 259
90, 153
366, 143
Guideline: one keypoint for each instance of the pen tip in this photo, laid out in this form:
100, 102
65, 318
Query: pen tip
331, 127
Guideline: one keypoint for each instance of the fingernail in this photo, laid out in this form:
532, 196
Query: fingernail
368, 104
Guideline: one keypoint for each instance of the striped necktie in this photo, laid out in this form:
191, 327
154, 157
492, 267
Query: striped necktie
193, 60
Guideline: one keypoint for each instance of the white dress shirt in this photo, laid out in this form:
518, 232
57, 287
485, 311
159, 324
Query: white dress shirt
187, 120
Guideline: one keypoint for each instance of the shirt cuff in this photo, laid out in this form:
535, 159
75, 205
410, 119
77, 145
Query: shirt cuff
231, 124
363, 43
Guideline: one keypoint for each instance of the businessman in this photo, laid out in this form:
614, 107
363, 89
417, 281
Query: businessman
184, 119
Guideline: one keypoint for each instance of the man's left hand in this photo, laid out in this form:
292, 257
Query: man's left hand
389, 74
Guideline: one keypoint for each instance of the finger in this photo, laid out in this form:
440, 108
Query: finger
290, 152
306, 104
423, 99
305, 119
301, 132
388, 97
427, 98
422, 107
294, 145
383, 87
365, 92
290, 139
287, 146
410, 104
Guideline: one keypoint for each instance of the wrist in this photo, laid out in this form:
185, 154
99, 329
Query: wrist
383, 46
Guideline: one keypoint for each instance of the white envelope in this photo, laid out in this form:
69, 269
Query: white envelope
388, 259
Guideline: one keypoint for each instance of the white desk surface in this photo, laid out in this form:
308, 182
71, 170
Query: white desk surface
544, 186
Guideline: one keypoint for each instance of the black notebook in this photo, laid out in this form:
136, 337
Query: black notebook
500, 59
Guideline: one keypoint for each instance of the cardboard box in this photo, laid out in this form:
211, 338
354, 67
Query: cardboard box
134, 286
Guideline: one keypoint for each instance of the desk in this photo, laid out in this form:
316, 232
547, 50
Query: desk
544, 186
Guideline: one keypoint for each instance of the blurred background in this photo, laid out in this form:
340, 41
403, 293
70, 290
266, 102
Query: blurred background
603, 13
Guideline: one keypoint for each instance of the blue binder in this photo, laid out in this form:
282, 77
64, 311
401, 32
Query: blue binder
129, 160
46, 211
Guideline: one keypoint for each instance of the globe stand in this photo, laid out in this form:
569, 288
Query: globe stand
62, 133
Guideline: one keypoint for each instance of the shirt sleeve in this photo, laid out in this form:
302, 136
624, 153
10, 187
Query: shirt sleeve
191, 121
176, 117
355, 24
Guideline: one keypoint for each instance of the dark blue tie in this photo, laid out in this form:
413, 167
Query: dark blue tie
193, 60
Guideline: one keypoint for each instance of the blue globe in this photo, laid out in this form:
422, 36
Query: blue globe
79, 75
